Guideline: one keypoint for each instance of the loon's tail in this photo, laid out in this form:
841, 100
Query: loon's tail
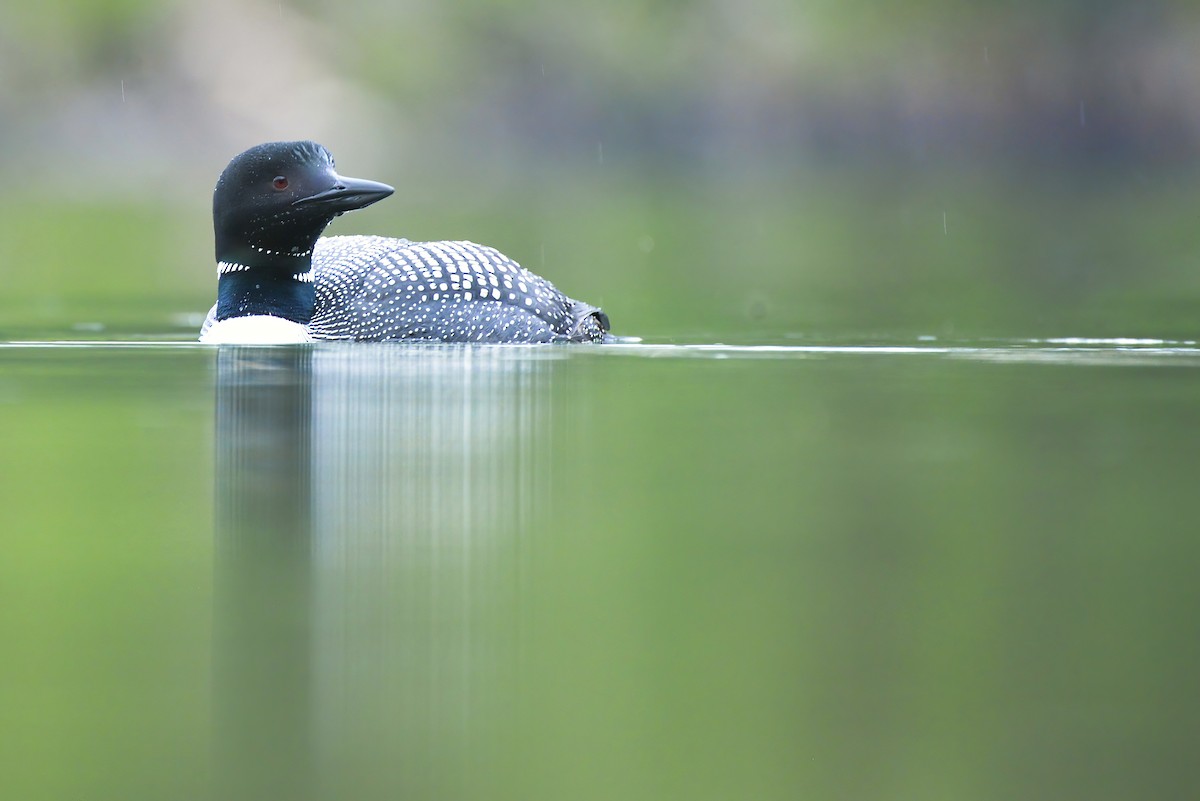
591, 324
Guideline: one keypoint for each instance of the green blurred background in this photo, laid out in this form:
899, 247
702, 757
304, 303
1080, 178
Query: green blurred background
749, 170
721, 574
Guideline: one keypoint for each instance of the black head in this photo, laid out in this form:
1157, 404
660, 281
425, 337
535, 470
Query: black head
273, 201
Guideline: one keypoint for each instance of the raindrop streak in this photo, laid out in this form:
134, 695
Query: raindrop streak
122, 90
945, 230
985, 55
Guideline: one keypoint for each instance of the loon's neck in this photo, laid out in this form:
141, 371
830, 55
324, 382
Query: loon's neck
286, 293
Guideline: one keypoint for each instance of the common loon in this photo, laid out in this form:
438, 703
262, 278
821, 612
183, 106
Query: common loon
280, 281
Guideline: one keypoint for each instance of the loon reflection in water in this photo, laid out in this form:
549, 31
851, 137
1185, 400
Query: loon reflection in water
371, 510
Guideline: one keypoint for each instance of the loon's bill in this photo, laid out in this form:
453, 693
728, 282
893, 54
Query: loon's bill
279, 281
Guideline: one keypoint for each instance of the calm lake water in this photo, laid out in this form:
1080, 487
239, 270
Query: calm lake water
837, 570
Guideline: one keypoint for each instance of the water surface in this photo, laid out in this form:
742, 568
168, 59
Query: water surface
910, 569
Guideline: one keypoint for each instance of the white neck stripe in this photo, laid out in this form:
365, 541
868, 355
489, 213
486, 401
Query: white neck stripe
226, 267
294, 254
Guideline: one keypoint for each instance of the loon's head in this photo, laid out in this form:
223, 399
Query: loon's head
273, 201
270, 206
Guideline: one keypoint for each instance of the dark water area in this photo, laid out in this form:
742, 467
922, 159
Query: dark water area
916, 569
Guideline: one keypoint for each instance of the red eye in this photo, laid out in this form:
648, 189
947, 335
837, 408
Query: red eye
280, 182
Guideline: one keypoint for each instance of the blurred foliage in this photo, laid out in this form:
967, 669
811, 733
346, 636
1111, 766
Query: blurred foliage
816, 254
88, 269
758, 169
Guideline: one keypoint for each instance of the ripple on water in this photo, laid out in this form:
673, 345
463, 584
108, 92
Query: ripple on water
1059, 350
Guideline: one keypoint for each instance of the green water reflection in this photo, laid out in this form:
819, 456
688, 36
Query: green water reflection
633, 572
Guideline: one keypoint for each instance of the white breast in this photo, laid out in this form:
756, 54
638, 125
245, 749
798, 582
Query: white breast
255, 329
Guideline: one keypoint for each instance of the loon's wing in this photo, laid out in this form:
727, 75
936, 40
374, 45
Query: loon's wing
378, 288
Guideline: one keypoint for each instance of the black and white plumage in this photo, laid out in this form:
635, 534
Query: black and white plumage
379, 288
280, 281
